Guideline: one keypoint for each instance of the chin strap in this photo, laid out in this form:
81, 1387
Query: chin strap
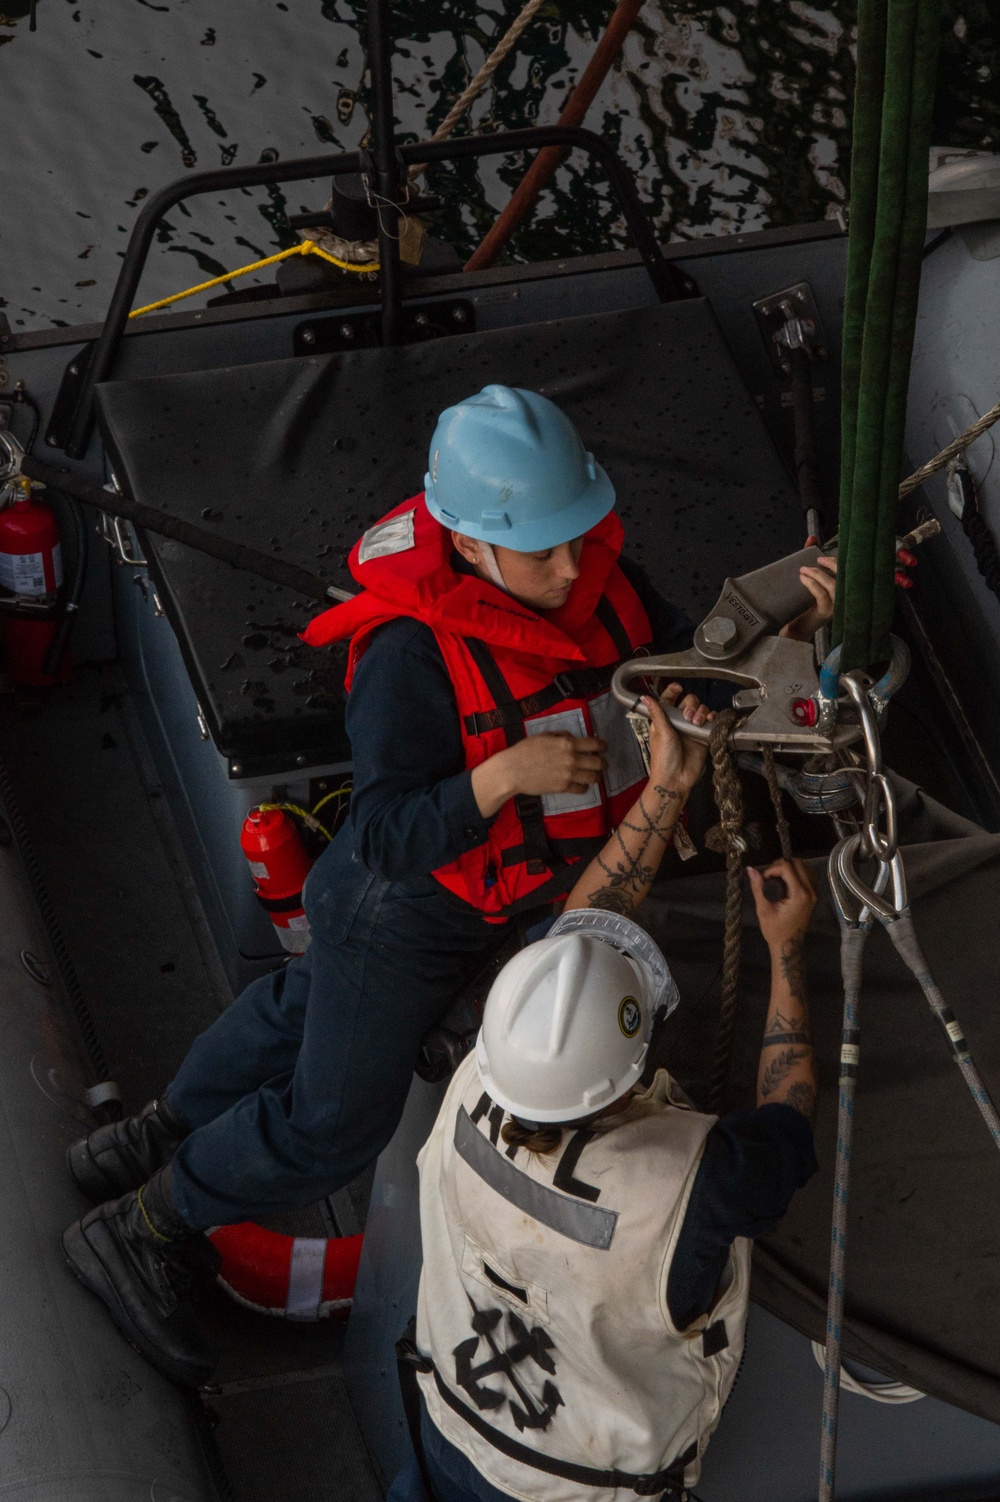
492, 567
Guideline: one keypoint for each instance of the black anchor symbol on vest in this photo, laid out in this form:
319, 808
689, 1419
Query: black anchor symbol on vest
527, 1345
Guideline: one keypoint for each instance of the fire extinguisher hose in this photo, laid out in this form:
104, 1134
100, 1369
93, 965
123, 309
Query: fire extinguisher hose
71, 609
237, 554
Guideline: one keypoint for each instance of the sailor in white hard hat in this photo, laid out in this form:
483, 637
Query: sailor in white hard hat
587, 1239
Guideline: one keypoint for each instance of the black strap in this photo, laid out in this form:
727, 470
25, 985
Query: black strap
573, 683
280, 904
511, 720
583, 848
408, 1363
529, 809
537, 850
557, 886
651, 1484
611, 621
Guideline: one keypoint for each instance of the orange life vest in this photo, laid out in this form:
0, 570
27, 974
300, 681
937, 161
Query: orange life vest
514, 673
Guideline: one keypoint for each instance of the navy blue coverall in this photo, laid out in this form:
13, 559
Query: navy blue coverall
301, 1082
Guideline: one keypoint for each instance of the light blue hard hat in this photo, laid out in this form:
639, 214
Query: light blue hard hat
508, 467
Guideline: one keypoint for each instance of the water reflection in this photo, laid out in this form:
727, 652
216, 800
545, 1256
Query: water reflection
733, 117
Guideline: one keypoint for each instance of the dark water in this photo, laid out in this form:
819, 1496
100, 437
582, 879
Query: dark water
733, 117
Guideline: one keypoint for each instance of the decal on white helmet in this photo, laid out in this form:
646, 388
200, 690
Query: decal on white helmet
386, 538
629, 1016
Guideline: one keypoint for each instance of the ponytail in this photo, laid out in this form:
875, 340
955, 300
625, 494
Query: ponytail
532, 1137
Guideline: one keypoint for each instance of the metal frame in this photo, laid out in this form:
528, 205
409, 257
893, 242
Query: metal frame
668, 282
464, 284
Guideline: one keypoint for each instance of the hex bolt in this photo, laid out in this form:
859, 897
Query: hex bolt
308, 336
346, 331
458, 315
719, 631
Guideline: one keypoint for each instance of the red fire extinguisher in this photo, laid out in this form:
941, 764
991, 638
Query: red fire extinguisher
279, 866
31, 576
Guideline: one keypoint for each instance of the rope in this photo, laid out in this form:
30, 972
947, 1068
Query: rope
344, 791
468, 96
903, 935
307, 248
983, 546
978, 428
774, 788
727, 838
293, 808
893, 109
852, 945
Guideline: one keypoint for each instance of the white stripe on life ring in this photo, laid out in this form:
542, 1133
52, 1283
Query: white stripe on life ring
293, 1277
305, 1278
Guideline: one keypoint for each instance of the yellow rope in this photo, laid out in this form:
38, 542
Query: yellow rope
306, 817
338, 793
307, 248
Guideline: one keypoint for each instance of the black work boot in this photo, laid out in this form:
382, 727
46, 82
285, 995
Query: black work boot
123, 1155
138, 1255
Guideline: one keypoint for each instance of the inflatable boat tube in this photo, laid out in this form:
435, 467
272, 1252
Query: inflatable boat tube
293, 1277
83, 1418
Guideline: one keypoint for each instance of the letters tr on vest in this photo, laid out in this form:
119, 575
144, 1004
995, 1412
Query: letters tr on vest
515, 673
551, 1360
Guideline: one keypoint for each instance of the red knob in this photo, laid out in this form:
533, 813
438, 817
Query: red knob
803, 712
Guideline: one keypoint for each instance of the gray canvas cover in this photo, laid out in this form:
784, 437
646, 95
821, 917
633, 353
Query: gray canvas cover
923, 1254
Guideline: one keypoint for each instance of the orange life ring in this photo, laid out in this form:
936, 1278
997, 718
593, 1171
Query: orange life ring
293, 1277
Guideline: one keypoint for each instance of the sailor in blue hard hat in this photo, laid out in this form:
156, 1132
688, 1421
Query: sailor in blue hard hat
490, 763
508, 467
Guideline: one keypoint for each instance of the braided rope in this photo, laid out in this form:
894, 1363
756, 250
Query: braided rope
852, 945
727, 838
983, 546
774, 788
468, 96
955, 447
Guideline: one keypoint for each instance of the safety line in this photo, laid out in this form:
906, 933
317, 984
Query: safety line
306, 248
471, 93
852, 944
977, 429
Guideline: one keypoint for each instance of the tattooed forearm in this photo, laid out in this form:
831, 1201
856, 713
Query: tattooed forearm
632, 873
625, 887
802, 1098
618, 878
779, 1068
793, 968
787, 1069
782, 1029
610, 900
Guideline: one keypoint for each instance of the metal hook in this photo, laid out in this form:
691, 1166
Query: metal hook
843, 890
842, 860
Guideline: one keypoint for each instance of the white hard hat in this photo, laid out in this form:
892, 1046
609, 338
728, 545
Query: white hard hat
568, 1020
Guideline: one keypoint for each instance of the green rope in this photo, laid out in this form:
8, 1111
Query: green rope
897, 61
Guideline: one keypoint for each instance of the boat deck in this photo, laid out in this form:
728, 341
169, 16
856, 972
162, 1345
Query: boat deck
110, 858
